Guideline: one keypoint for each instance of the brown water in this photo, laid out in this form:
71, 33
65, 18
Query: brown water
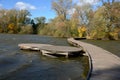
16, 64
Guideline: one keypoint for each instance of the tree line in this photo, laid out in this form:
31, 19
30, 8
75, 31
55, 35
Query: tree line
13, 21
72, 20
19, 22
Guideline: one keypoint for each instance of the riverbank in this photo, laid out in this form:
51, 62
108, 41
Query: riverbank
105, 65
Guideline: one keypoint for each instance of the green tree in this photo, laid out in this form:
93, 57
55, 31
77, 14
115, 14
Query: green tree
74, 24
23, 15
3, 20
40, 21
105, 21
13, 16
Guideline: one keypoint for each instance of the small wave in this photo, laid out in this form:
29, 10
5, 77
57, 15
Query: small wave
14, 70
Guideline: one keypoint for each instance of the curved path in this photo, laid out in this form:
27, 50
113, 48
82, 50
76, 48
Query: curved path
105, 65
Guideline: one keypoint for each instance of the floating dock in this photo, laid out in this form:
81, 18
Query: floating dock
52, 50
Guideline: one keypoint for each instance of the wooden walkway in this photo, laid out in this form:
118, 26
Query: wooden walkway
105, 65
50, 50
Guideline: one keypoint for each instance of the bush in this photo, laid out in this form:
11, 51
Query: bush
113, 36
26, 29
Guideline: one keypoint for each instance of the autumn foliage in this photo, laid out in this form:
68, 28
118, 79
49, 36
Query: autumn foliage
72, 20
11, 21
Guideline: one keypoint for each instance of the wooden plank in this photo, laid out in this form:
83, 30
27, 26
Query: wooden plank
61, 49
51, 49
105, 65
47, 53
32, 46
48, 47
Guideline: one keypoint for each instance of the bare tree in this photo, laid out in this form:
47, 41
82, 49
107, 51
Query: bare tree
61, 7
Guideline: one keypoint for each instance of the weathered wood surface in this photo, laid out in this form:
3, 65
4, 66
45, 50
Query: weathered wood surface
105, 65
32, 46
51, 49
61, 49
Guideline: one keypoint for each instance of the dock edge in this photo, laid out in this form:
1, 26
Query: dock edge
72, 42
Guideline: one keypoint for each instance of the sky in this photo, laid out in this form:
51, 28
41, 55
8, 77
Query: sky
37, 8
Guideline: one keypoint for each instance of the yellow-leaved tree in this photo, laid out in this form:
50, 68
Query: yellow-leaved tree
82, 31
11, 28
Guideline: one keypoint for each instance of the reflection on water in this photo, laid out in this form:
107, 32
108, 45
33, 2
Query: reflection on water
16, 64
110, 45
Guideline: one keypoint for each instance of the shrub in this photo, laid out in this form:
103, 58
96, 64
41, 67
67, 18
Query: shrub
26, 29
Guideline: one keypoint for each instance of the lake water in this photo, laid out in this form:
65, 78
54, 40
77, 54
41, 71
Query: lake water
16, 64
